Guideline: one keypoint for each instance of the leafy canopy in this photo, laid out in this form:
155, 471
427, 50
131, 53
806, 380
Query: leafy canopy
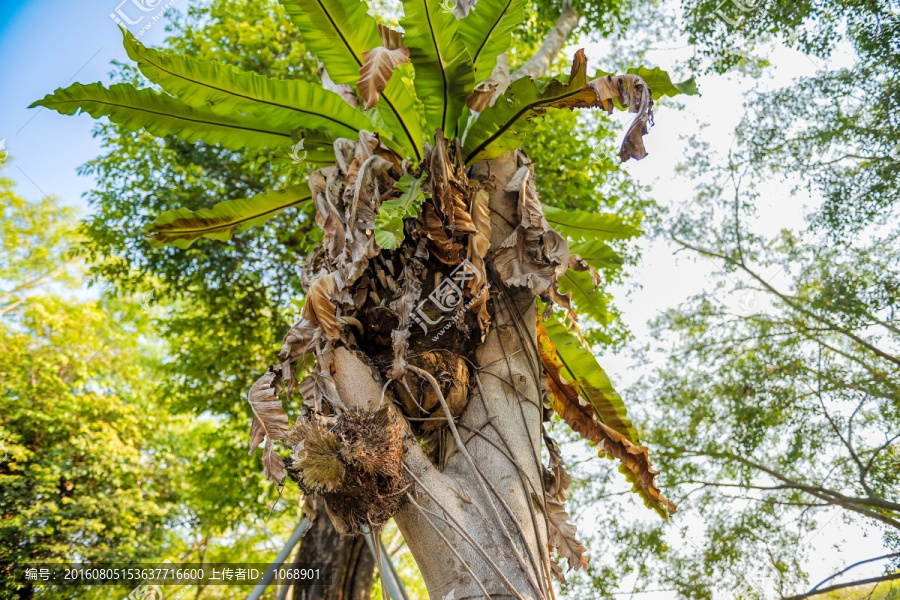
237, 109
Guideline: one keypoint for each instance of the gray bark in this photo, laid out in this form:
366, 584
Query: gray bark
539, 64
462, 509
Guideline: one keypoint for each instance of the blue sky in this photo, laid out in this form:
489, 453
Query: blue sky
44, 44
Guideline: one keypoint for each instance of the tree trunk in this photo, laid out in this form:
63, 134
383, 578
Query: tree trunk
497, 504
467, 492
351, 561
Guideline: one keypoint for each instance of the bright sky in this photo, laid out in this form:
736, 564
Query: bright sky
46, 44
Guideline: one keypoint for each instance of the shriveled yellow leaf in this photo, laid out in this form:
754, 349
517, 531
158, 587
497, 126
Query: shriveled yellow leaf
581, 417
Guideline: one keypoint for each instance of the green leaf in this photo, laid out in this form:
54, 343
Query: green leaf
444, 75
597, 254
163, 115
581, 225
590, 379
181, 227
338, 32
487, 32
226, 90
503, 126
584, 295
389, 222
661, 84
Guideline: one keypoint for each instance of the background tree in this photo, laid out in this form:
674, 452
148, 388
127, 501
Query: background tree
825, 137
90, 465
777, 403
97, 464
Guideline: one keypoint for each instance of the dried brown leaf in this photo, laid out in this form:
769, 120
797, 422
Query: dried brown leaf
297, 344
403, 307
378, 66
449, 187
320, 307
390, 39
557, 572
632, 92
270, 422
556, 480
441, 245
479, 244
561, 534
328, 217
534, 252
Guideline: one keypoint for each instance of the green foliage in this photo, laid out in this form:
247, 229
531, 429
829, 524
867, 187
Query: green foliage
286, 104
592, 382
444, 71
338, 32
88, 468
600, 19
487, 32
588, 301
389, 222
661, 83
503, 126
98, 462
182, 227
220, 104
163, 115
841, 141
582, 225
35, 244
777, 400
728, 37
598, 254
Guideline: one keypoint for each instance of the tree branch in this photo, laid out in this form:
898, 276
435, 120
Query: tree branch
791, 302
832, 497
539, 64
841, 586
853, 566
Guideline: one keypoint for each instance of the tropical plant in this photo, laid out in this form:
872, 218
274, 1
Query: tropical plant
420, 321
